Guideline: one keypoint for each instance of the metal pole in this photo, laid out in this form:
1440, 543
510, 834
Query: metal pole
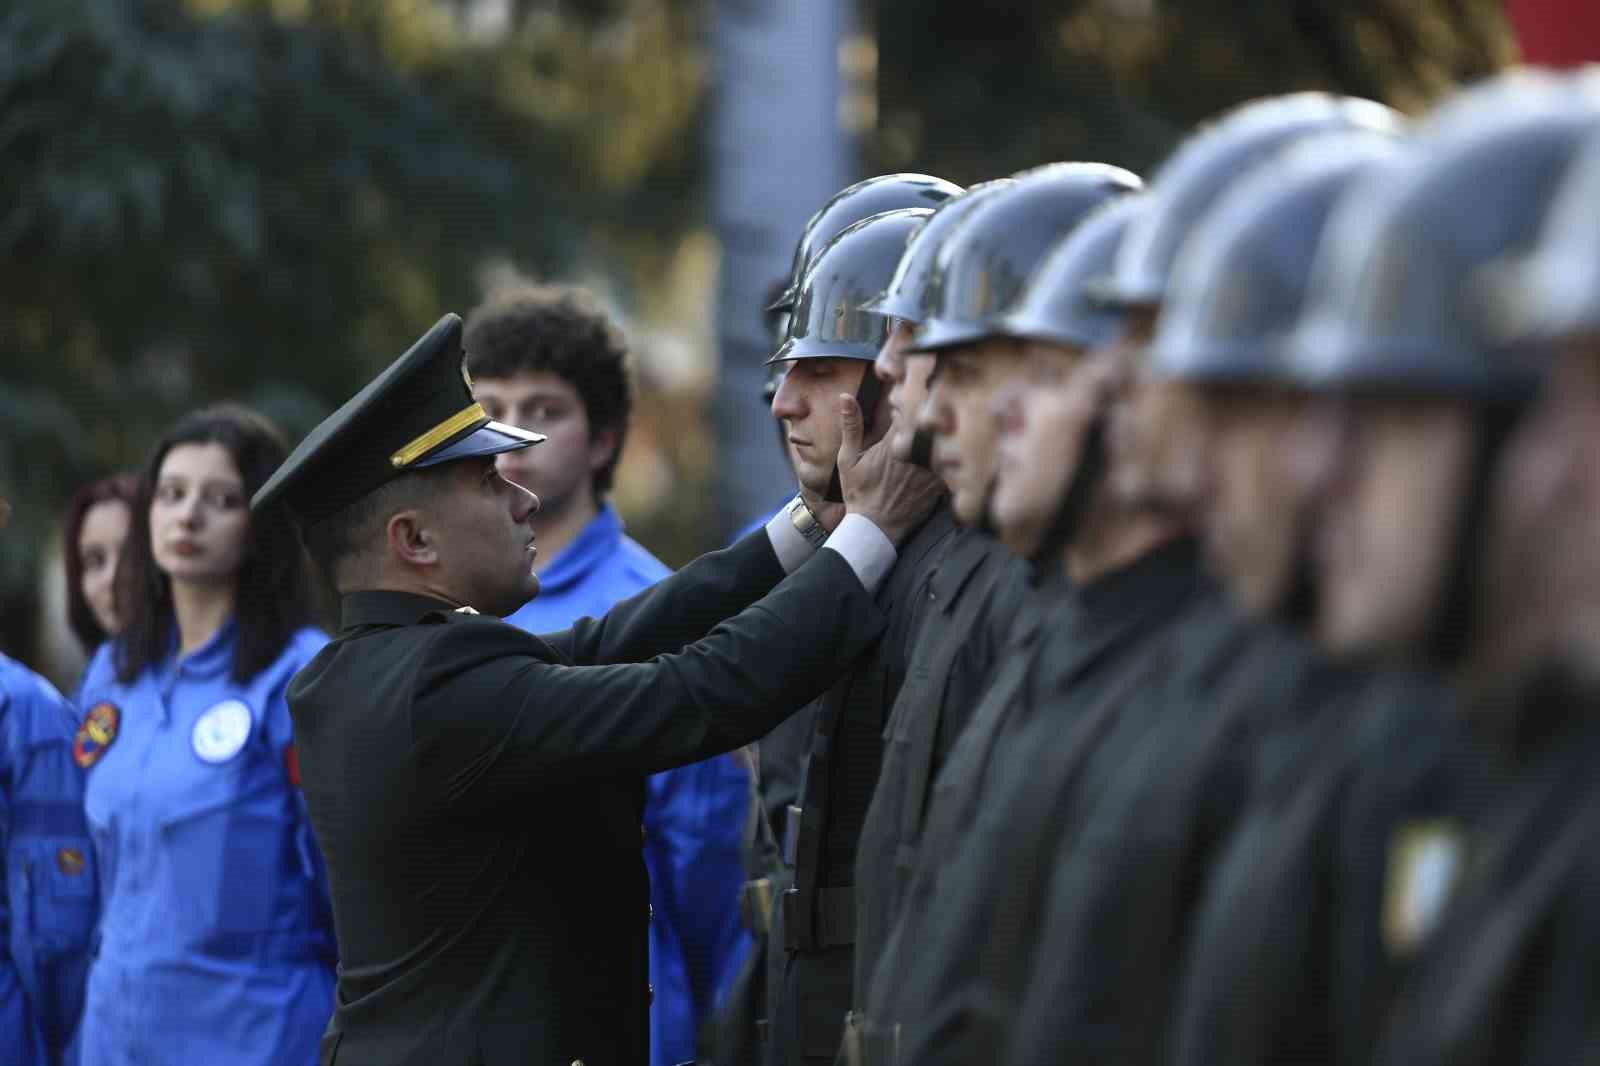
777, 152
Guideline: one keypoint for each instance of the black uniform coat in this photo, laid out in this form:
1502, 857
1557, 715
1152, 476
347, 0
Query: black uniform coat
477, 796
1512, 974
1127, 884
1027, 627
977, 868
809, 979
957, 645
1096, 699
1286, 961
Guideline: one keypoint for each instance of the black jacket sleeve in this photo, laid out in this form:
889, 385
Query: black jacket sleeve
494, 719
678, 610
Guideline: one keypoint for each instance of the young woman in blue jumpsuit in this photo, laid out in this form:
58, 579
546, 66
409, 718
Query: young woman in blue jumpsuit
216, 940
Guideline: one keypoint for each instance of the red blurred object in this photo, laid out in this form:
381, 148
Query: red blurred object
1556, 33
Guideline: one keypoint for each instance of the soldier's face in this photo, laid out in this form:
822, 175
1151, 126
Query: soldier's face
1541, 574
959, 417
808, 403
1156, 430
479, 529
906, 374
559, 471
1042, 416
1255, 511
1389, 523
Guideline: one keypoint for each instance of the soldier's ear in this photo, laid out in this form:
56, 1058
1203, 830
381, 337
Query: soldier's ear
409, 539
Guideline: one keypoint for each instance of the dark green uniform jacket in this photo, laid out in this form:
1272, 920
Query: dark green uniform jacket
811, 942
1288, 962
1105, 651
954, 658
1128, 880
477, 793
1512, 975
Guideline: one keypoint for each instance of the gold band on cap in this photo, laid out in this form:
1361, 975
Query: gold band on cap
424, 443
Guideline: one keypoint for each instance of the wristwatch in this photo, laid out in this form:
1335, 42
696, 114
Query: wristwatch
806, 524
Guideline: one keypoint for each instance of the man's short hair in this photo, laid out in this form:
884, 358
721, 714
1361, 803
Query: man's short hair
356, 531
561, 330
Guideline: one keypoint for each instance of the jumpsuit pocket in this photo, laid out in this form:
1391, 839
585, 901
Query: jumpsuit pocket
226, 857
61, 884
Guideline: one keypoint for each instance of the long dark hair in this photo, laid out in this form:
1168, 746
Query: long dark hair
119, 488
274, 592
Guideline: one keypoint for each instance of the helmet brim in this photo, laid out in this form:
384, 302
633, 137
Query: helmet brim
806, 348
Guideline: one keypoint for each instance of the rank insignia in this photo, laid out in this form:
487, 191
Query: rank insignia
70, 861
95, 734
1425, 859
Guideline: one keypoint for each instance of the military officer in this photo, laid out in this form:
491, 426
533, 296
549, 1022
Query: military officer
1116, 696
1124, 887
1388, 786
831, 344
782, 754
1509, 975
476, 790
980, 275
955, 644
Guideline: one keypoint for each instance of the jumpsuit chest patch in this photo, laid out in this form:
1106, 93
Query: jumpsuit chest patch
95, 734
69, 861
220, 733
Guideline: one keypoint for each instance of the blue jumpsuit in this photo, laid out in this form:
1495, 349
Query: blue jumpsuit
47, 910
216, 938
692, 816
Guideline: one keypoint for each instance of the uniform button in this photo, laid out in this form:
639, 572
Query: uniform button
649, 994
649, 912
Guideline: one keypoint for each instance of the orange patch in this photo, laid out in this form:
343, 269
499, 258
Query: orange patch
95, 734
70, 861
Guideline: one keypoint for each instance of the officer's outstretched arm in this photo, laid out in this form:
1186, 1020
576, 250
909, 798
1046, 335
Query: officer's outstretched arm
499, 721
890, 499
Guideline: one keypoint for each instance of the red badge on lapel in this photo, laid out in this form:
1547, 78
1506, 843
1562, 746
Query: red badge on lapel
95, 734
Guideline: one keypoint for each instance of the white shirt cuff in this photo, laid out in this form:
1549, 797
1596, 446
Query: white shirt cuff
790, 547
868, 550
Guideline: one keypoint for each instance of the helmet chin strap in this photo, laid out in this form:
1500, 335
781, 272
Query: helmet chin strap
1068, 519
868, 393
1452, 625
1298, 605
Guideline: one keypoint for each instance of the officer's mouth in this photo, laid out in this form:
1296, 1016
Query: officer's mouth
799, 442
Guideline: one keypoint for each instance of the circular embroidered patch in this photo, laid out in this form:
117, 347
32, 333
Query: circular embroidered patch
220, 733
95, 734
69, 861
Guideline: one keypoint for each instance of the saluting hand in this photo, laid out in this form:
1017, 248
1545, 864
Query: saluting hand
895, 495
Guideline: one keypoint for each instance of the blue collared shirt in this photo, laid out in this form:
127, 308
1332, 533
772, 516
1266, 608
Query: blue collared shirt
216, 938
692, 816
47, 910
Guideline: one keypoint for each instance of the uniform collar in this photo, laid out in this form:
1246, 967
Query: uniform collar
595, 543
385, 607
1105, 613
213, 657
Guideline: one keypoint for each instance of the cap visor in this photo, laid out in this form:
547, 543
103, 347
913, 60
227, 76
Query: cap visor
491, 438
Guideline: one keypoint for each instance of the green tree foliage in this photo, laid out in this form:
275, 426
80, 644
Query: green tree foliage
974, 91
266, 200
